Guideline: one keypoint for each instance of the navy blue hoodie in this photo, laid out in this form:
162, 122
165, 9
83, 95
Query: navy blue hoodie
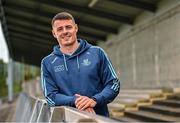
88, 72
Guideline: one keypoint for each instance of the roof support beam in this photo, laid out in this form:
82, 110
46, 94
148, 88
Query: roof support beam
43, 33
45, 28
31, 32
137, 4
92, 3
39, 31
22, 24
27, 37
85, 10
13, 9
19, 43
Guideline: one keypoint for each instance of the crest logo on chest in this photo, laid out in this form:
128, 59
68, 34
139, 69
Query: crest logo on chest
86, 62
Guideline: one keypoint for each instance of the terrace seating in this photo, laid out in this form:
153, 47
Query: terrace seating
148, 105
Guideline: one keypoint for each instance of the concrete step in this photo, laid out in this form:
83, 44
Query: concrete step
116, 106
142, 94
132, 101
4, 113
158, 105
126, 119
170, 103
151, 116
134, 96
12, 111
162, 110
174, 97
143, 91
176, 90
116, 109
125, 101
128, 104
135, 91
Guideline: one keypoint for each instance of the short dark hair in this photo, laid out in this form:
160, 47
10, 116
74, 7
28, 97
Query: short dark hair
62, 16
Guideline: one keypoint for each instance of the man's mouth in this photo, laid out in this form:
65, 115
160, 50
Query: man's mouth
66, 37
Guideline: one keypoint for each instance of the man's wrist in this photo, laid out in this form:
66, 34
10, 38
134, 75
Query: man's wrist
94, 99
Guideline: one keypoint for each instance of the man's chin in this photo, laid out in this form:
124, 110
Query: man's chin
68, 43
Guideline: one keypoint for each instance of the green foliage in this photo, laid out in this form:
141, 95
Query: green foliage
21, 72
3, 88
17, 87
3, 75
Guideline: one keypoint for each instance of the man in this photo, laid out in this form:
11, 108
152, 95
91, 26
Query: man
76, 73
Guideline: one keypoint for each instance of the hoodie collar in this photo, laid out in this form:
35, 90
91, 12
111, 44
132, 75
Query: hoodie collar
84, 45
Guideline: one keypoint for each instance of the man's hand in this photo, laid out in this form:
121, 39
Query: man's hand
84, 102
90, 110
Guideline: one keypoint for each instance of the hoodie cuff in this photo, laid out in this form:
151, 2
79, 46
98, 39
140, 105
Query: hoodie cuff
98, 98
73, 101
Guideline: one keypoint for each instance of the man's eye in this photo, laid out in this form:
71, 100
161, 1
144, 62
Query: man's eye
59, 29
68, 27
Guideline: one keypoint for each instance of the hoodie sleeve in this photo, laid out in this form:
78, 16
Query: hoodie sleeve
50, 90
111, 84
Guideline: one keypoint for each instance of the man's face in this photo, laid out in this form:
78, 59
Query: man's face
65, 31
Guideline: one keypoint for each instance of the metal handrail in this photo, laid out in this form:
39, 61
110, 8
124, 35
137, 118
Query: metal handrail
32, 109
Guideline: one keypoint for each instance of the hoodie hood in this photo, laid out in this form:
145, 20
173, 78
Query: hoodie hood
84, 45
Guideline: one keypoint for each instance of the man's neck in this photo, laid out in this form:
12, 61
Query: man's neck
69, 49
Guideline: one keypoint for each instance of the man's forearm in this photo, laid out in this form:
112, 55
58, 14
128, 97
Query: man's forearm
63, 100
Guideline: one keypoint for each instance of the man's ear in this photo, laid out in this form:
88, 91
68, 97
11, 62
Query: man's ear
53, 33
76, 26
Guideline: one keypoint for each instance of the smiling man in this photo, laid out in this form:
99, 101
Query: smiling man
76, 73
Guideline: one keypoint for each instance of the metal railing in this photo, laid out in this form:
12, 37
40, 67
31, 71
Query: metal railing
32, 109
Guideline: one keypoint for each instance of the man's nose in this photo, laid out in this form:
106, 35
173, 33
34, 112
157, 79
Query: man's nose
65, 30
65, 33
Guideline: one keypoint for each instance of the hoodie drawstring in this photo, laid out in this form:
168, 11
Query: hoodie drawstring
65, 62
78, 62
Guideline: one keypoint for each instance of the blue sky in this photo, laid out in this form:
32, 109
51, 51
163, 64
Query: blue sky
3, 47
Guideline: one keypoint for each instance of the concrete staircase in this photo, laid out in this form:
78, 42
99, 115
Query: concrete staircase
158, 105
6, 112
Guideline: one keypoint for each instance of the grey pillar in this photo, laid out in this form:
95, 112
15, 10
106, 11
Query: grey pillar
10, 80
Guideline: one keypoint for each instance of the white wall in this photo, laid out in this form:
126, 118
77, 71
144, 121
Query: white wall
147, 54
